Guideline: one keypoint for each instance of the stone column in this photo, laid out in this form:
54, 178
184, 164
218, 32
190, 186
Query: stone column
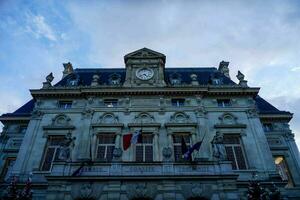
170, 140
85, 142
118, 140
293, 159
204, 152
259, 156
156, 147
25, 160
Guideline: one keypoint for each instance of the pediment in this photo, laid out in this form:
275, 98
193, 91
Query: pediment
144, 53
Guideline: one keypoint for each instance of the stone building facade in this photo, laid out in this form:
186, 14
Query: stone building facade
69, 137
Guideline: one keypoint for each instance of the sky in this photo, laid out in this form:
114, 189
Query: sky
259, 38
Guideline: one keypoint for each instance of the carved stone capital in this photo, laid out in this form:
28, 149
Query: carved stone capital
252, 113
167, 153
87, 113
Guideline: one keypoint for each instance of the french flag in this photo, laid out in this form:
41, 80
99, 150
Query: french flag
130, 138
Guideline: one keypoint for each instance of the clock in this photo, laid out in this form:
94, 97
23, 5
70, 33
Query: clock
144, 73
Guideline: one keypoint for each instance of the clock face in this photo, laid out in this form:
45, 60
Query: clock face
144, 73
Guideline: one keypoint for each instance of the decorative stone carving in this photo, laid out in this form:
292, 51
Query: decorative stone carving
49, 79
194, 79
200, 112
241, 78
68, 69
141, 190
228, 118
95, 81
36, 114
117, 153
167, 153
197, 191
224, 69
86, 191
61, 120
144, 118
108, 118
65, 148
218, 147
252, 113
87, 113
180, 117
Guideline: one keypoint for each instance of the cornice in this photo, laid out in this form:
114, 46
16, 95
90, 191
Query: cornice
276, 117
84, 91
107, 125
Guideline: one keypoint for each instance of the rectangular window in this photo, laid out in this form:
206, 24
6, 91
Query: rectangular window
283, 170
111, 102
235, 152
51, 153
7, 169
177, 138
144, 150
65, 104
23, 129
105, 147
178, 102
224, 102
267, 127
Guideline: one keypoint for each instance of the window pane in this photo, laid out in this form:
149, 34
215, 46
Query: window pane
48, 159
106, 139
231, 140
177, 153
111, 102
109, 153
147, 139
101, 152
65, 104
139, 153
148, 153
230, 156
177, 102
283, 170
240, 157
223, 102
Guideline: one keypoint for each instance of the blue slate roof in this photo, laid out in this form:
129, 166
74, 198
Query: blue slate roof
204, 77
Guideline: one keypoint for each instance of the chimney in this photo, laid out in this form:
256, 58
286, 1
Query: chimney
223, 68
68, 69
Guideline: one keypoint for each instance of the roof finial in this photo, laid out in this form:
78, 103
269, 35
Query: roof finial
223, 68
241, 77
68, 69
49, 79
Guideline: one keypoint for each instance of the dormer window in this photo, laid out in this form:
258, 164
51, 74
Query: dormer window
115, 79
73, 80
216, 81
23, 129
178, 102
111, 102
224, 103
65, 104
267, 127
175, 79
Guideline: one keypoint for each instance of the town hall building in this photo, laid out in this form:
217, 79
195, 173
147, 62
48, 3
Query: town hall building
69, 139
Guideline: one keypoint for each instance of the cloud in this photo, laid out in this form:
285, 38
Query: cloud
294, 69
259, 38
37, 25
